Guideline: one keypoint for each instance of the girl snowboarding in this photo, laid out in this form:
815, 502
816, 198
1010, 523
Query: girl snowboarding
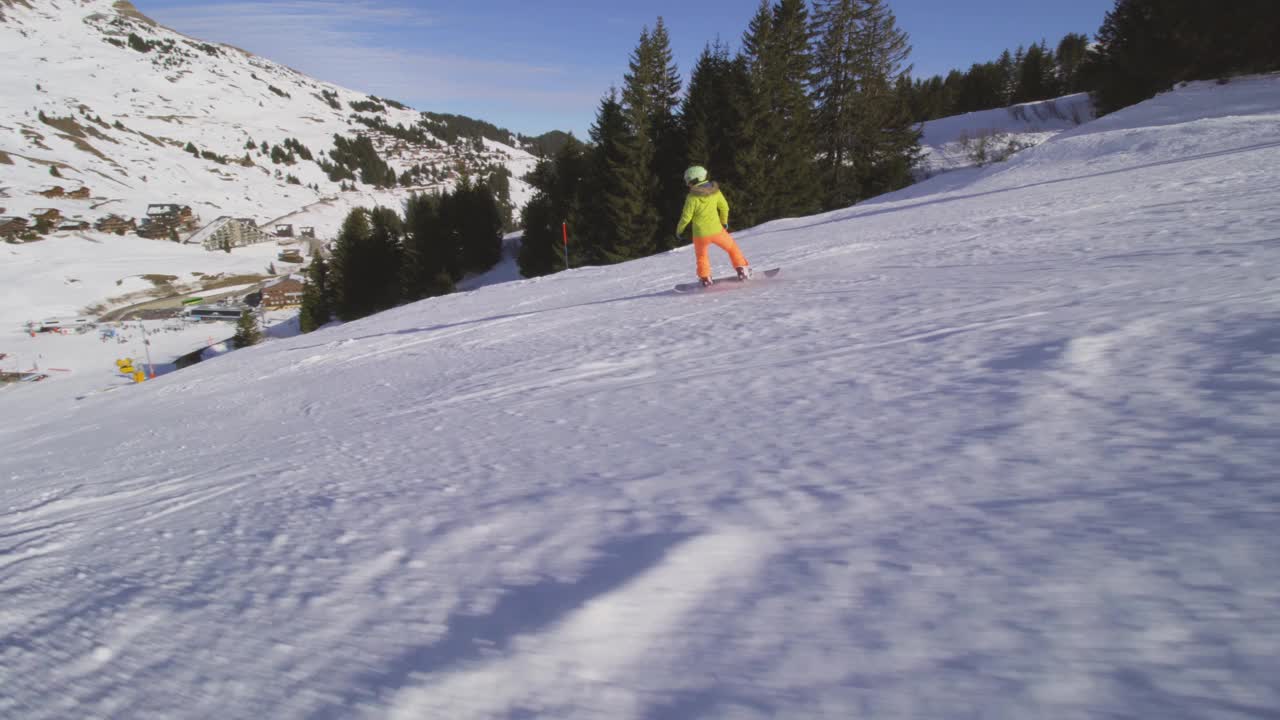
708, 211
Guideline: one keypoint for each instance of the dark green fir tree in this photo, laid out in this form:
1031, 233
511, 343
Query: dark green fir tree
247, 332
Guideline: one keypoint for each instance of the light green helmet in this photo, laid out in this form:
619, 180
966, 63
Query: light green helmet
695, 175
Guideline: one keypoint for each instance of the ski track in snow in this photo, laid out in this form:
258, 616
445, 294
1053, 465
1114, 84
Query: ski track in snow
1001, 445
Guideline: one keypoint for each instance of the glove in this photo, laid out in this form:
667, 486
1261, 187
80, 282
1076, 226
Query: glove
678, 239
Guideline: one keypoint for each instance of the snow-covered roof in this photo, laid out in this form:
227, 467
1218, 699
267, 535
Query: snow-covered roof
291, 277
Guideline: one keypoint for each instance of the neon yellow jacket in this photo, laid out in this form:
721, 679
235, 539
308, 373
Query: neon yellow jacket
707, 209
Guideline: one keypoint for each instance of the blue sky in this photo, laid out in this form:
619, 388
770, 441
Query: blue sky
537, 66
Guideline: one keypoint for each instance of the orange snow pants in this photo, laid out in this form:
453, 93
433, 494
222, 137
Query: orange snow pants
725, 242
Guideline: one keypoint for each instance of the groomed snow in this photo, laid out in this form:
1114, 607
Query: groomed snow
1002, 445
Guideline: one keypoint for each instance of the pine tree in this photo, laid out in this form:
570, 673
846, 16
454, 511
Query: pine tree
668, 139
558, 185
840, 110
425, 271
1006, 75
317, 308
365, 271
247, 332
650, 95
777, 53
868, 140
618, 222
1146, 46
893, 140
481, 229
714, 118
1067, 59
1036, 77
386, 251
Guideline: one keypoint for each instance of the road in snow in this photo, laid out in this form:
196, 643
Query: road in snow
1002, 445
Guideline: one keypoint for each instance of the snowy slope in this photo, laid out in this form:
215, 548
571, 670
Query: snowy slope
980, 138
118, 121
999, 446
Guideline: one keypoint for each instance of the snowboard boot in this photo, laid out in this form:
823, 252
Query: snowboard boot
744, 273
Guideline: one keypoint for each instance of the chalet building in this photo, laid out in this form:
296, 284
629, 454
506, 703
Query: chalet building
307, 232
283, 293
228, 232
165, 219
117, 224
283, 231
74, 224
12, 227
46, 219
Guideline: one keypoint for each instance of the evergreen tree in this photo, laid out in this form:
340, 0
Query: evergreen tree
317, 308
427, 259
777, 55
650, 94
1067, 59
1036, 76
1005, 73
558, 184
618, 221
839, 62
365, 272
1146, 46
481, 229
247, 332
714, 118
867, 139
386, 254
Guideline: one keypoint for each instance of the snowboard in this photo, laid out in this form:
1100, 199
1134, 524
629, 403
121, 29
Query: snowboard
724, 283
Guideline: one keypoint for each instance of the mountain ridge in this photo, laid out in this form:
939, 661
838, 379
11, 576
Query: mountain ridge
141, 113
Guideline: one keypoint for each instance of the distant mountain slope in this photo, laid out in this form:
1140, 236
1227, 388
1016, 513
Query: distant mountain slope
986, 136
98, 95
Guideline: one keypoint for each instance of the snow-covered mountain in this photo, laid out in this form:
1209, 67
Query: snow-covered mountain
101, 97
988, 136
1000, 445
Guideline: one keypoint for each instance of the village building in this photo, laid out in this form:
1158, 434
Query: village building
283, 292
228, 232
74, 224
117, 224
307, 231
290, 255
284, 231
12, 227
46, 219
164, 220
